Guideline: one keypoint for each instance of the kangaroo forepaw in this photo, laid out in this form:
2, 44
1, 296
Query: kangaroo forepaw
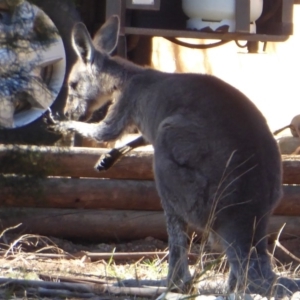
48, 117
54, 123
106, 161
63, 127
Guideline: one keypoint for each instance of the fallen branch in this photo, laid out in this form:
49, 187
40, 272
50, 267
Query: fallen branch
17, 283
81, 290
43, 292
136, 291
104, 287
145, 291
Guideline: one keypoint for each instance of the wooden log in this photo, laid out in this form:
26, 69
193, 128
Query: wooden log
73, 162
290, 225
79, 162
79, 193
103, 194
290, 202
89, 225
291, 169
107, 225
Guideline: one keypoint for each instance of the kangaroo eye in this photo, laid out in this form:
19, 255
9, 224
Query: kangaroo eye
73, 85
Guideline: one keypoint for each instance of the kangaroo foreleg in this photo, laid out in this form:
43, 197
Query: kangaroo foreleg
107, 160
281, 129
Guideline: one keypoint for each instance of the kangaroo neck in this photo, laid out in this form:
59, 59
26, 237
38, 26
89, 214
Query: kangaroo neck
122, 71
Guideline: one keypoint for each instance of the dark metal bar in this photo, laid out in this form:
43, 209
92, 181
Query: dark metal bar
205, 35
118, 7
242, 16
287, 16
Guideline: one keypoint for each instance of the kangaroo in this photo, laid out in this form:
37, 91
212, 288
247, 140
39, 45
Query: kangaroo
216, 164
294, 127
286, 145
109, 159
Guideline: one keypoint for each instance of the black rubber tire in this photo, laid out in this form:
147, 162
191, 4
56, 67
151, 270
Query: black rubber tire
64, 15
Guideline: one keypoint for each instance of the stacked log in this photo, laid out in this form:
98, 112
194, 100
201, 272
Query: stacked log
55, 191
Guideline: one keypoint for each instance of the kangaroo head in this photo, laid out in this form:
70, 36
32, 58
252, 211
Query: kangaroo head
89, 83
295, 126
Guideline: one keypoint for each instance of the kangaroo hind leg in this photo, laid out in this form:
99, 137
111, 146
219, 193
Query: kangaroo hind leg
244, 238
181, 189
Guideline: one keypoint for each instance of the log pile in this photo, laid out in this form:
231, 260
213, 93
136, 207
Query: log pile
55, 191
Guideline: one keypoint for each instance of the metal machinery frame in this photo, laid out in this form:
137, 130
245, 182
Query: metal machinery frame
277, 28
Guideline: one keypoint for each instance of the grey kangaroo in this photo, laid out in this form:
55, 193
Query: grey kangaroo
216, 164
294, 127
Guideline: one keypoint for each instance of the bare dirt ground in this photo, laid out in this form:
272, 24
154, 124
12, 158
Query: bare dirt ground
33, 257
37, 254
37, 258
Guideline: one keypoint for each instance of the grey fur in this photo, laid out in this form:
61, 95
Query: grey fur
294, 127
216, 164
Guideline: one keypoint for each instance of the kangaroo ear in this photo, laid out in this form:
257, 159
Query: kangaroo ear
106, 38
82, 43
